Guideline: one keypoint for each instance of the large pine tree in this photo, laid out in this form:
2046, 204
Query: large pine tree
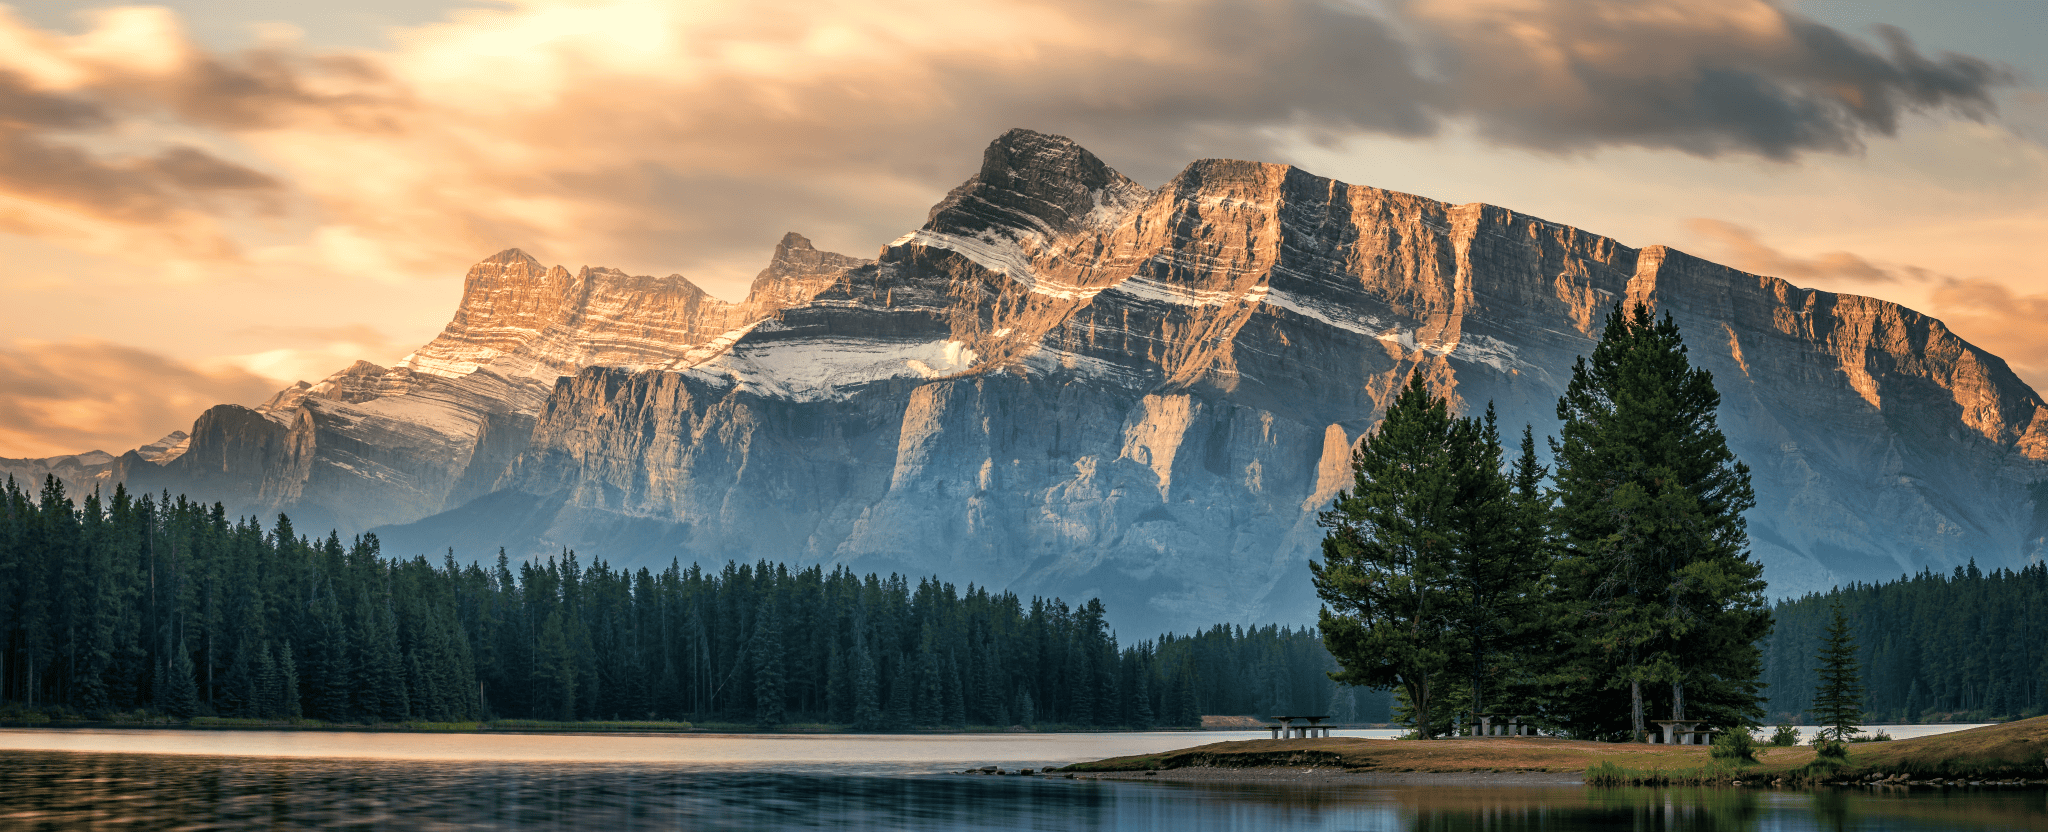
1428, 558
1650, 503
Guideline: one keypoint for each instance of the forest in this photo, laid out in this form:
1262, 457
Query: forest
1970, 646
154, 605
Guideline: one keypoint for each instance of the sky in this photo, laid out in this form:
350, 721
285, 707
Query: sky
203, 202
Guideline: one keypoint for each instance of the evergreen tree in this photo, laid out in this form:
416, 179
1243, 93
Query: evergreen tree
768, 676
180, 696
554, 671
288, 683
867, 684
266, 693
380, 689
1389, 574
955, 715
1650, 504
902, 710
1838, 691
1501, 556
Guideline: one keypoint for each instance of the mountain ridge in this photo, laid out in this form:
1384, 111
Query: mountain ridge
1067, 383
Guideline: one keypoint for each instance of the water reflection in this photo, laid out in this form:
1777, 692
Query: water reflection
65, 790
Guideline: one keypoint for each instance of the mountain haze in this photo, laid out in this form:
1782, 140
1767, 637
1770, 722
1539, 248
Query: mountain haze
1067, 383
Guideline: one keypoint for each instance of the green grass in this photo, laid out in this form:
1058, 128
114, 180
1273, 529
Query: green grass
446, 727
552, 725
248, 722
1606, 773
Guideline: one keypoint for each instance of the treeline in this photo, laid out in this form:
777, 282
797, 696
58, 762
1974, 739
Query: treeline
1968, 646
166, 606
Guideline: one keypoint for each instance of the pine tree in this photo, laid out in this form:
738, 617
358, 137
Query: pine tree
956, 698
288, 683
1388, 577
554, 671
1650, 504
180, 691
380, 689
867, 684
266, 690
1502, 556
769, 697
1838, 692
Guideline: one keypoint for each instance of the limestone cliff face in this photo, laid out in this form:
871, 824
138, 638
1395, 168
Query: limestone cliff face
372, 445
1065, 382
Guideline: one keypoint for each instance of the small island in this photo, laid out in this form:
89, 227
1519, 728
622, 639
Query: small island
2012, 753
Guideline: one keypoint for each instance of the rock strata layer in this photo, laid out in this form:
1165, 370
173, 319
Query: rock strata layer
1067, 383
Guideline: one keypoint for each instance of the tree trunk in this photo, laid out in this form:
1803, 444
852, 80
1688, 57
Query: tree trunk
1635, 709
1418, 692
1478, 689
1677, 699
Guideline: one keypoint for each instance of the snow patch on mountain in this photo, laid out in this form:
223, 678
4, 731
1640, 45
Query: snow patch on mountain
1162, 292
815, 369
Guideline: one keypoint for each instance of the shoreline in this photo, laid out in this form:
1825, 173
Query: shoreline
2004, 753
719, 730
1314, 776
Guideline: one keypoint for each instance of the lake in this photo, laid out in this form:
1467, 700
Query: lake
162, 779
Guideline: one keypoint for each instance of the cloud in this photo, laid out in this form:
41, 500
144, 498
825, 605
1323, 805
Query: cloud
1705, 77
121, 137
2013, 326
312, 353
1740, 247
2009, 324
59, 398
686, 135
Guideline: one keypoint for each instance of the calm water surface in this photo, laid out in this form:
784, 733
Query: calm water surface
309, 780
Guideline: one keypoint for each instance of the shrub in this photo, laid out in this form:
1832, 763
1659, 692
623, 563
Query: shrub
1877, 737
1786, 735
1734, 744
1835, 750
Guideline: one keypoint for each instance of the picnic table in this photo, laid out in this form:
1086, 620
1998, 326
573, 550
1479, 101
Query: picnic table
1682, 732
1309, 730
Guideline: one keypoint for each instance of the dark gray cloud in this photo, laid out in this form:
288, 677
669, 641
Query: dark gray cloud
1704, 77
46, 158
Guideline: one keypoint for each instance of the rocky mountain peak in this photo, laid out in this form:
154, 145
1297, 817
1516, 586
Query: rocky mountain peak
796, 273
1033, 184
512, 256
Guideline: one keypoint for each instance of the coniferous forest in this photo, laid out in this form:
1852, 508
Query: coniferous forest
1969, 646
117, 604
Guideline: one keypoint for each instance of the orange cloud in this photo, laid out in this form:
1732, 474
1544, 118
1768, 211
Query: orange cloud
2011, 325
682, 134
72, 397
1740, 247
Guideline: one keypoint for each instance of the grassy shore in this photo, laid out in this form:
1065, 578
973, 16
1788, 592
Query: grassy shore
2014, 750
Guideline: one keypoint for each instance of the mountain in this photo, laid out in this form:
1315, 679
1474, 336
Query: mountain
1067, 383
